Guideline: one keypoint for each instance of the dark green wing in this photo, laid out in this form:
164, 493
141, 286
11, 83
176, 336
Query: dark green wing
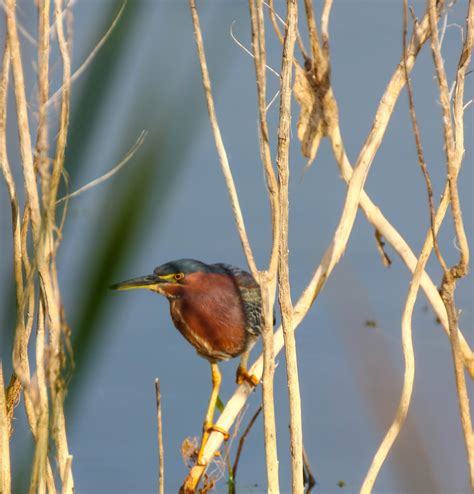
250, 295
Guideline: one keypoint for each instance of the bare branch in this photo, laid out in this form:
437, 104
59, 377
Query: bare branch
310, 480
242, 440
66, 474
259, 50
161, 454
41, 149
5, 477
284, 291
267, 280
273, 17
246, 50
325, 26
220, 144
453, 158
312, 30
453, 127
54, 98
20, 27
407, 341
130, 153
381, 248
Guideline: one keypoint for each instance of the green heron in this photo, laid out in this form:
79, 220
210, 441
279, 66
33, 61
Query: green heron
217, 308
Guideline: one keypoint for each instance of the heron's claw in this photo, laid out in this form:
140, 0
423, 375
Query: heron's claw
244, 376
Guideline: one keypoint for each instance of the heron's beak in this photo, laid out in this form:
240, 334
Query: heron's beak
151, 281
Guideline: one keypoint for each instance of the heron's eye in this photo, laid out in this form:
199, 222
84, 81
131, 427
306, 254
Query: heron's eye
178, 276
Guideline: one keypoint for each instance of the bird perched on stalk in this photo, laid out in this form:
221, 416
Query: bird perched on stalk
217, 308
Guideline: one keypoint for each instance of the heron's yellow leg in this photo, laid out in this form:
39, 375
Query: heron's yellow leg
242, 374
209, 426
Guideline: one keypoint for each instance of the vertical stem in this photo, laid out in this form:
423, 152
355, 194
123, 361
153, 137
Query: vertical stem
267, 280
219, 142
259, 50
286, 306
454, 149
161, 453
41, 152
5, 477
269, 427
42, 409
22, 116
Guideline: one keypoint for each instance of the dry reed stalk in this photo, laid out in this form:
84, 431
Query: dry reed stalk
161, 453
5, 475
22, 332
20, 357
14, 388
223, 159
274, 17
39, 472
40, 212
407, 342
85, 64
54, 310
453, 132
242, 439
267, 280
436, 220
66, 474
284, 291
267, 284
41, 148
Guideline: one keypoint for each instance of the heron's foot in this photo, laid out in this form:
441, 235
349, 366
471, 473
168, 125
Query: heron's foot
215, 428
207, 429
243, 375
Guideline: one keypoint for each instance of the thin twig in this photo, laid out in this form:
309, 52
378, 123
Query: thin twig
219, 142
310, 478
325, 27
267, 281
130, 153
273, 71
78, 72
453, 132
416, 133
41, 433
161, 453
22, 117
242, 441
258, 44
41, 149
387, 262
411, 298
51, 287
66, 474
246, 50
5, 476
273, 17
312, 31
8, 176
20, 27
284, 291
